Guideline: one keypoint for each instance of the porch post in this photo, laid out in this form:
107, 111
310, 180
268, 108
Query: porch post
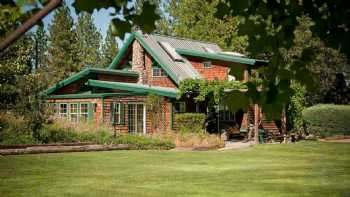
256, 123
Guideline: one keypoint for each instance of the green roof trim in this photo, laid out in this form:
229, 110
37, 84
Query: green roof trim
155, 56
138, 36
83, 96
216, 56
86, 72
115, 72
122, 52
135, 88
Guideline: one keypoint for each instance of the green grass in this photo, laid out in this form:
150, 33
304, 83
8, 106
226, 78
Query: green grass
302, 169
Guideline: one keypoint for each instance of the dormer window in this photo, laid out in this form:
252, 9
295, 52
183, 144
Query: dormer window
207, 64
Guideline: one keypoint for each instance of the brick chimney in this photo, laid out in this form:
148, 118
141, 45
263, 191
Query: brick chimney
138, 61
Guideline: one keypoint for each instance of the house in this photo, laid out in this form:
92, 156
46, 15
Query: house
146, 64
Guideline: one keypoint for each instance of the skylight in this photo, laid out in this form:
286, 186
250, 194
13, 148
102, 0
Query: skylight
171, 51
209, 50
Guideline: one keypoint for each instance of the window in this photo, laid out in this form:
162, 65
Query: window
73, 112
180, 107
84, 111
115, 113
158, 72
63, 110
207, 64
226, 114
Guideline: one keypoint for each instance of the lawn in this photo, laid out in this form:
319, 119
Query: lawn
302, 169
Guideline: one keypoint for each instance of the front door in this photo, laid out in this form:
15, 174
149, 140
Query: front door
136, 118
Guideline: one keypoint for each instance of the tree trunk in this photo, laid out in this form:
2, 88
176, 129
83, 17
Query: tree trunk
283, 121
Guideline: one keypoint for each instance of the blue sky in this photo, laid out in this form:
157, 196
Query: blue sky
101, 19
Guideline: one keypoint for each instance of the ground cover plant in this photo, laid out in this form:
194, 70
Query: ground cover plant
301, 169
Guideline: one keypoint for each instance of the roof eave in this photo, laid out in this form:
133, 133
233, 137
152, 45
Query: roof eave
132, 87
219, 57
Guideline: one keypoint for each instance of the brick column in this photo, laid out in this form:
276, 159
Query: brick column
138, 61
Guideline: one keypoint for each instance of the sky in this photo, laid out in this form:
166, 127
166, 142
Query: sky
101, 19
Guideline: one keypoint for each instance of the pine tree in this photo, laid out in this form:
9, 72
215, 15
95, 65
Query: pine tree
197, 19
88, 40
63, 57
109, 48
40, 47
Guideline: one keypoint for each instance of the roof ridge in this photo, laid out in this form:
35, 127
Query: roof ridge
183, 38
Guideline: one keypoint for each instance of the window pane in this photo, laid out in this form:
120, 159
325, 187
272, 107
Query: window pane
84, 108
83, 112
73, 112
73, 108
207, 64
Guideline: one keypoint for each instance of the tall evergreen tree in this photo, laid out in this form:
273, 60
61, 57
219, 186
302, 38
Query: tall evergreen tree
109, 48
63, 57
88, 40
196, 19
40, 47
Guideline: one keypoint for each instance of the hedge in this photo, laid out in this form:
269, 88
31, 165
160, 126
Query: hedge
327, 120
190, 122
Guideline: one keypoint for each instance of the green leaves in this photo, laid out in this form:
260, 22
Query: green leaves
211, 91
132, 14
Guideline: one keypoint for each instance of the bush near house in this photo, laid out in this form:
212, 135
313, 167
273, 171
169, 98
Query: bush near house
13, 132
192, 140
190, 122
327, 120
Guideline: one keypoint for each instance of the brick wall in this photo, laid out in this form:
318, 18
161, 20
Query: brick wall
104, 117
216, 71
164, 81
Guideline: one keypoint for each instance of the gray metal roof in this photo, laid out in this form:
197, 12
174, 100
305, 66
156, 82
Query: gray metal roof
182, 70
184, 43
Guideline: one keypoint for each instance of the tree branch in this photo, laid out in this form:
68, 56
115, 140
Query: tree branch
53, 4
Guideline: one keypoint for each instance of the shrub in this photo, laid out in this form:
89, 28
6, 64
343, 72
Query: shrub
69, 132
14, 130
190, 122
327, 120
144, 142
192, 140
52, 133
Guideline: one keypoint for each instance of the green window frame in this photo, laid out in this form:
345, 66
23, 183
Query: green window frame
115, 113
179, 107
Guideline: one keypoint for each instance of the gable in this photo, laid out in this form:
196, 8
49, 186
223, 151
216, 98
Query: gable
177, 69
75, 82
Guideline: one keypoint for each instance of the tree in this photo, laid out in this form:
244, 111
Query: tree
88, 41
196, 19
63, 56
15, 62
109, 48
40, 47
